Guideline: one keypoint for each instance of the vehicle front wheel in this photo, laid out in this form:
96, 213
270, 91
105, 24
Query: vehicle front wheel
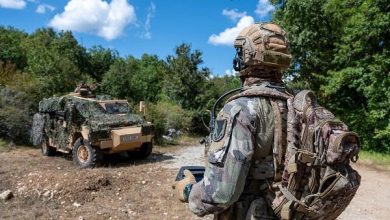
47, 150
85, 155
143, 152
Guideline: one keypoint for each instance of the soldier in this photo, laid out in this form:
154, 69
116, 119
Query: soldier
242, 162
84, 89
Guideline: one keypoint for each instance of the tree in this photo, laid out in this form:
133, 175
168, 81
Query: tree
100, 60
56, 59
148, 81
10, 48
185, 80
117, 81
312, 35
341, 50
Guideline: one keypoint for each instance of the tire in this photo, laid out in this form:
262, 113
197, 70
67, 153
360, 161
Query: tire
85, 155
47, 150
144, 151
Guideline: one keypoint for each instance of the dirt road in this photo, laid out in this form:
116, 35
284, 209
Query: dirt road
53, 188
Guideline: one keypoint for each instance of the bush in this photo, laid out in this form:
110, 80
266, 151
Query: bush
165, 115
15, 116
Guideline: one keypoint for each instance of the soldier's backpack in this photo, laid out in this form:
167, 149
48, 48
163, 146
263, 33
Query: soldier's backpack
313, 177
317, 181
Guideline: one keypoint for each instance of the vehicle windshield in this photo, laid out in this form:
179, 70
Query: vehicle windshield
117, 108
88, 109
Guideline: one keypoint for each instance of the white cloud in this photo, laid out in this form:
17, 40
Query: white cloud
227, 36
107, 20
147, 27
231, 72
14, 4
42, 8
264, 8
233, 14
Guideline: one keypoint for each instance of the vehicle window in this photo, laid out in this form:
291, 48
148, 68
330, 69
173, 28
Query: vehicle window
88, 109
117, 108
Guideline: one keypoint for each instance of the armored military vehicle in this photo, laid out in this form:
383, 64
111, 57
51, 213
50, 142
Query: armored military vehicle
89, 127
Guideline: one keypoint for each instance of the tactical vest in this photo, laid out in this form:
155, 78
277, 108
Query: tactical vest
267, 163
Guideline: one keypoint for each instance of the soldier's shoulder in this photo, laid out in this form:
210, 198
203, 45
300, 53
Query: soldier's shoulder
243, 104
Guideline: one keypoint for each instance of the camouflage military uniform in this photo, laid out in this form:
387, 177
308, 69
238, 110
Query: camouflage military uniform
240, 162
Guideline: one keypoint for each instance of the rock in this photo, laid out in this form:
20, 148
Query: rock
6, 195
46, 194
143, 182
75, 204
81, 218
21, 189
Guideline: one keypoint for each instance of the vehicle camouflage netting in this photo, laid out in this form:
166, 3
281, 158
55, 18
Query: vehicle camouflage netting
50, 104
107, 121
103, 97
37, 131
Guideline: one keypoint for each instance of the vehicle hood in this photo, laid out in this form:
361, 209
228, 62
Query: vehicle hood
109, 121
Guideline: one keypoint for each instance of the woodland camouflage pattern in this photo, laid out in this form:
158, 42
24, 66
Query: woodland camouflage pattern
242, 146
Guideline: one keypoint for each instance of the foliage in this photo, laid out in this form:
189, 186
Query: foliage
184, 78
55, 59
341, 50
148, 81
10, 45
117, 81
15, 115
100, 60
165, 115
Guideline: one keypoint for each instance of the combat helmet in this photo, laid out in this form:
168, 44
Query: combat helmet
262, 46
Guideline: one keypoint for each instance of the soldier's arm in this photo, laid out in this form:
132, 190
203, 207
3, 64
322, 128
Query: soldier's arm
229, 161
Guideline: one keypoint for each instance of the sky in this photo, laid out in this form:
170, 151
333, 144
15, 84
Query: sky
136, 27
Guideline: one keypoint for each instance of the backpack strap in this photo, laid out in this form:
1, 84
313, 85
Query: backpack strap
279, 108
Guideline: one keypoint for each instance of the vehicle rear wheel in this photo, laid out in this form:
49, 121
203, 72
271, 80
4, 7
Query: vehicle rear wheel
144, 151
47, 150
85, 155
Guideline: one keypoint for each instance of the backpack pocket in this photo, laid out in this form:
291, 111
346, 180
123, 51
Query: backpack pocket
335, 193
343, 147
338, 144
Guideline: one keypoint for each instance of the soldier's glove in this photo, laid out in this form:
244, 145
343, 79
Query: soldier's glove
183, 187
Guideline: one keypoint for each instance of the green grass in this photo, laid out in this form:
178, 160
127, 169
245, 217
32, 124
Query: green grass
4, 146
380, 159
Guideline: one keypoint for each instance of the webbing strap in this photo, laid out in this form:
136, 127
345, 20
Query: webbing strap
278, 150
299, 206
